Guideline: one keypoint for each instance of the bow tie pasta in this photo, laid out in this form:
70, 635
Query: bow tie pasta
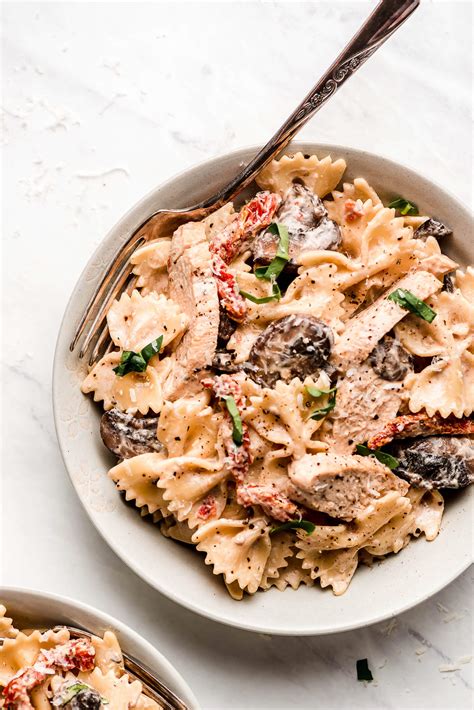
290, 385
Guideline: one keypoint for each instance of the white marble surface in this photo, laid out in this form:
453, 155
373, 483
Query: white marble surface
101, 102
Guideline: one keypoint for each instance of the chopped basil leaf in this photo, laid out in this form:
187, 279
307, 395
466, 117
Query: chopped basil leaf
382, 456
322, 411
276, 266
404, 206
293, 524
284, 239
363, 670
276, 290
152, 349
315, 392
137, 362
130, 362
276, 295
237, 431
408, 300
272, 271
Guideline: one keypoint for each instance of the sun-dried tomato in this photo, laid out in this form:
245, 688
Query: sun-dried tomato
228, 290
353, 209
258, 213
254, 216
223, 386
238, 457
208, 508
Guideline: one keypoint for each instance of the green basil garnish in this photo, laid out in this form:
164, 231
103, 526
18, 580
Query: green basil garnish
315, 392
322, 411
381, 456
404, 206
137, 362
72, 691
363, 670
276, 266
406, 299
152, 349
276, 295
237, 430
305, 525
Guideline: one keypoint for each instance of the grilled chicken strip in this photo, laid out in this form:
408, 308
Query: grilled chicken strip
363, 332
365, 403
413, 425
193, 288
341, 486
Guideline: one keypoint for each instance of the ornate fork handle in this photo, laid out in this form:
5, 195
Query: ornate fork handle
379, 26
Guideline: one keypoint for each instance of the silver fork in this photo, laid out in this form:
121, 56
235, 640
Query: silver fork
152, 687
379, 26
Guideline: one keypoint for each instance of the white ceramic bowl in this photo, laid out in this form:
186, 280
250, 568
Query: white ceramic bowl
33, 609
397, 584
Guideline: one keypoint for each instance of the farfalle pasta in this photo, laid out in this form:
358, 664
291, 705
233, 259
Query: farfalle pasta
150, 267
7, 630
446, 385
136, 320
319, 176
49, 669
263, 354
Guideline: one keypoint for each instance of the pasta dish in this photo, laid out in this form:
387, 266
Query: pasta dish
290, 385
48, 669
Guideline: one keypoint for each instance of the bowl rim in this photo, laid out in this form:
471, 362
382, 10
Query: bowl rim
293, 147
165, 667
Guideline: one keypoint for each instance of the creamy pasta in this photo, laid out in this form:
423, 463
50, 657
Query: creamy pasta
291, 383
48, 669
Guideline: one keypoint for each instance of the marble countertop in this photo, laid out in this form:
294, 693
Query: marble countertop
101, 102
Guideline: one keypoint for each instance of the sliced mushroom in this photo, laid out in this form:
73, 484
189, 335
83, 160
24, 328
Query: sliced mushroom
309, 228
436, 461
226, 328
127, 436
432, 228
365, 403
390, 360
448, 283
224, 361
294, 346
86, 699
